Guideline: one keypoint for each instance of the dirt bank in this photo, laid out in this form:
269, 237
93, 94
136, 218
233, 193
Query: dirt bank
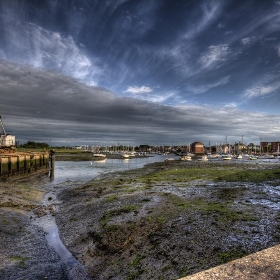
164, 221
24, 252
169, 220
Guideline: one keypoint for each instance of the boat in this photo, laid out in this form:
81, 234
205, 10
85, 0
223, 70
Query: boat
185, 158
266, 156
211, 156
99, 155
125, 156
238, 157
252, 157
203, 158
169, 159
226, 157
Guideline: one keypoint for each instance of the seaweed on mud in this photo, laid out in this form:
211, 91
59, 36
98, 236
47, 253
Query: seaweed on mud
169, 221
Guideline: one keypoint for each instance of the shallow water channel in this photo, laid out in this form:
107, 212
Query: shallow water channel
75, 173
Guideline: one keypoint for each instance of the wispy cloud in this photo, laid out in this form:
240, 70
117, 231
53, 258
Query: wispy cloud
215, 55
247, 41
210, 11
138, 90
261, 90
49, 50
231, 105
206, 86
148, 94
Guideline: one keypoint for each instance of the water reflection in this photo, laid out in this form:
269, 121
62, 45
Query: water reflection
87, 170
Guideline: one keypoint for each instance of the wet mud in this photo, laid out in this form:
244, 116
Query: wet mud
30, 246
158, 222
131, 226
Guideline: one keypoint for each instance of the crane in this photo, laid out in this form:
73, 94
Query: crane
2, 125
7, 141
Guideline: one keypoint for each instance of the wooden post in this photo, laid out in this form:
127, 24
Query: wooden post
52, 161
9, 165
18, 163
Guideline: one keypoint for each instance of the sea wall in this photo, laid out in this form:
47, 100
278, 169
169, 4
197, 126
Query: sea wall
15, 163
262, 265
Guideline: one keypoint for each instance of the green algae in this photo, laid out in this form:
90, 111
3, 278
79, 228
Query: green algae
213, 173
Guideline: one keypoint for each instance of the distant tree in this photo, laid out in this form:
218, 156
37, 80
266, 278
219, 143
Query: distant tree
35, 145
144, 148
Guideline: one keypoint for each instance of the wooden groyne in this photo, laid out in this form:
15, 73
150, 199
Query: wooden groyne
27, 162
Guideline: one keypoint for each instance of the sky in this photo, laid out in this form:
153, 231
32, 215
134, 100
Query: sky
157, 72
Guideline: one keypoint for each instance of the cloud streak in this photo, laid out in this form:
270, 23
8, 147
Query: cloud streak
137, 90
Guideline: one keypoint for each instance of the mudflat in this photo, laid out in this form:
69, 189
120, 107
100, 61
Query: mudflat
164, 221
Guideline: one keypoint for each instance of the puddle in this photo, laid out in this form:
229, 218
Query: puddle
266, 202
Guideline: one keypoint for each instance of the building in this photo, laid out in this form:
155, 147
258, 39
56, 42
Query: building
269, 147
8, 140
198, 148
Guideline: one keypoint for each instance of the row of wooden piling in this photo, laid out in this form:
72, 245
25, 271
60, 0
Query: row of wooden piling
29, 162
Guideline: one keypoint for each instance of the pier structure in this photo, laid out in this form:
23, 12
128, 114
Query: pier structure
26, 162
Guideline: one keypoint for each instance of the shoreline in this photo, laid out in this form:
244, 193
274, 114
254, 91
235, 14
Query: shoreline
133, 224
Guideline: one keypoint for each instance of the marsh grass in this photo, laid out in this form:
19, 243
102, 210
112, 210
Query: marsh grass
20, 260
225, 257
107, 217
229, 174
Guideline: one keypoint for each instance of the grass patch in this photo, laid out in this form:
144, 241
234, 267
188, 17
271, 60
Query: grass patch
221, 210
111, 198
19, 260
135, 261
225, 257
214, 173
116, 212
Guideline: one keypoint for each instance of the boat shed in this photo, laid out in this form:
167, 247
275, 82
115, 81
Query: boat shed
198, 148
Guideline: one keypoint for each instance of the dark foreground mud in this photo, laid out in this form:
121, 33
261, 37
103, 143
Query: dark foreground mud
132, 225
24, 250
164, 221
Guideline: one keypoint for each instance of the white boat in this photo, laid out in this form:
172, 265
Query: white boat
212, 156
185, 158
226, 157
238, 157
252, 157
125, 156
203, 158
99, 155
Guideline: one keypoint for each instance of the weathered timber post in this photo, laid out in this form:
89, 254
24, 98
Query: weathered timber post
52, 160
9, 165
18, 163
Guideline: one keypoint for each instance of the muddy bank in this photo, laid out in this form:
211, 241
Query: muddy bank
24, 249
24, 253
164, 221
169, 220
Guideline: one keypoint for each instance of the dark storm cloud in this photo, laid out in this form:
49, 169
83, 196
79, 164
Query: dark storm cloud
42, 105
145, 70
